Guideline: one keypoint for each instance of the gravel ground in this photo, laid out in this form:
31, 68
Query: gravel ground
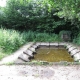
36, 72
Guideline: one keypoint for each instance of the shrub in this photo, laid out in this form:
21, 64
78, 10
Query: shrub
76, 39
45, 37
11, 40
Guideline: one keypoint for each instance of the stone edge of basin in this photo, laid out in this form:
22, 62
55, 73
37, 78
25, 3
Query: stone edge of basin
70, 47
24, 57
73, 51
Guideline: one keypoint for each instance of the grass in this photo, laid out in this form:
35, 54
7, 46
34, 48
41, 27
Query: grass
11, 40
2, 55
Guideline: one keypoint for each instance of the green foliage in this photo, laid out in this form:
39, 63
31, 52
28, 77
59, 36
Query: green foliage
28, 36
45, 37
35, 15
2, 17
2, 55
76, 39
23, 13
11, 40
69, 10
46, 16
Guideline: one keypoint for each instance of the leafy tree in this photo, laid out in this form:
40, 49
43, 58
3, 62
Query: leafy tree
2, 17
31, 15
70, 11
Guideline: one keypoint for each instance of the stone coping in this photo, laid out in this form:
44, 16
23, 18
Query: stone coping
14, 58
72, 49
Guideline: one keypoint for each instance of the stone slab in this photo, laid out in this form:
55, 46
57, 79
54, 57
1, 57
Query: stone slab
32, 49
34, 46
24, 57
76, 57
54, 44
44, 44
71, 48
29, 52
73, 52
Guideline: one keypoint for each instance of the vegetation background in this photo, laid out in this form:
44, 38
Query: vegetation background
22, 21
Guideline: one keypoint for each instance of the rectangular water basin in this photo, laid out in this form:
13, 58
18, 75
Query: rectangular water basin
52, 54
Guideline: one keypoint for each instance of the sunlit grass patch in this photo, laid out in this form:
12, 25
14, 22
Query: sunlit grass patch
10, 40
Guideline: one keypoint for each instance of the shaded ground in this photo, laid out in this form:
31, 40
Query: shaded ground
31, 72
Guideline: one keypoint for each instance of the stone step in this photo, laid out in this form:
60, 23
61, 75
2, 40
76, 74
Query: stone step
68, 46
71, 48
73, 52
32, 49
29, 53
24, 57
76, 57
34, 46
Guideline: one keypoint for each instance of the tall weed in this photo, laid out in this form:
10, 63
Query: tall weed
11, 40
76, 40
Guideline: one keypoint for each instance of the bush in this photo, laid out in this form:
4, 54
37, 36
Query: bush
45, 37
76, 40
11, 40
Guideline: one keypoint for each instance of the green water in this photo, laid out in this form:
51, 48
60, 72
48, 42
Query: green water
52, 55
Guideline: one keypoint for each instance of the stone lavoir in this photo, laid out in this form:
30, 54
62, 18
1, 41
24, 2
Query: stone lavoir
50, 52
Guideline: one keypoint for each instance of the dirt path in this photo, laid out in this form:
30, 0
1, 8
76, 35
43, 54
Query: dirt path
12, 58
27, 72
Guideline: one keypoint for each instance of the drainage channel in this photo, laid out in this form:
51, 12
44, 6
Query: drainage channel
32, 52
